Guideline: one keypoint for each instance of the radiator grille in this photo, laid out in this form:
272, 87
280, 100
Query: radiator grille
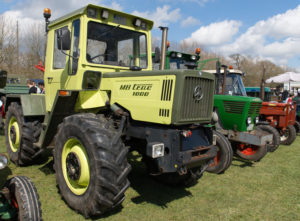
234, 107
255, 108
192, 109
166, 92
164, 112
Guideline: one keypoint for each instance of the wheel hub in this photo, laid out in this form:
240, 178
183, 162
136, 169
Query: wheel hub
73, 166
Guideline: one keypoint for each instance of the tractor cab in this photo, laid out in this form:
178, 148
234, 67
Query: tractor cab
233, 85
91, 41
176, 60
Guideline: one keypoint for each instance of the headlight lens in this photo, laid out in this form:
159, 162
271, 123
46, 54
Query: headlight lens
193, 57
3, 161
256, 120
92, 13
158, 150
179, 55
249, 120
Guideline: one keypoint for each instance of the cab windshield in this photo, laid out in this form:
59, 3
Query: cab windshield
112, 45
234, 85
176, 62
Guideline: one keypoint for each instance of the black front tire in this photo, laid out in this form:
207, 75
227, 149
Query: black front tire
288, 135
224, 155
107, 164
276, 136
20, 148
25, 199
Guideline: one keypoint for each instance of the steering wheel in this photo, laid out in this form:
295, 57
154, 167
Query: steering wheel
109, 55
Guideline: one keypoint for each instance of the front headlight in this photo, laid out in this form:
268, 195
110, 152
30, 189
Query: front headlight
256, 120
3, 161
158, 150
193, 57
179, 55
249, 120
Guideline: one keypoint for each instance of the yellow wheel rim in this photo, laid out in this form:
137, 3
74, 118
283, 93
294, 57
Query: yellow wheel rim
75, 166
14, 134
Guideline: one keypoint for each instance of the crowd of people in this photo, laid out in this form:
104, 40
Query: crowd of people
34, 89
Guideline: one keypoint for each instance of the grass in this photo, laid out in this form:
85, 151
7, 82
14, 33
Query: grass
267, 190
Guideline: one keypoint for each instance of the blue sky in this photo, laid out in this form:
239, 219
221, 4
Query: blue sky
264, 29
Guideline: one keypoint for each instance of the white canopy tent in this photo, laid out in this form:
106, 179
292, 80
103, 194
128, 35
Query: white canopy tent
286, 77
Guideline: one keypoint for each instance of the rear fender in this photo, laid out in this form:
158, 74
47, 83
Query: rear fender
32, 104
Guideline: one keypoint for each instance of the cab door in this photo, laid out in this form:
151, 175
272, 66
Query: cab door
60, 64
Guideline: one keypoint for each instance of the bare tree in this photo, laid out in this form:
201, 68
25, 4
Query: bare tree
237, 58
34, 40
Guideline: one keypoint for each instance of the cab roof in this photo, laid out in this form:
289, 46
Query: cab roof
222, 71
82, 10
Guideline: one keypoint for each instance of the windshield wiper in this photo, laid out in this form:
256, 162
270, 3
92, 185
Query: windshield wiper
104, 33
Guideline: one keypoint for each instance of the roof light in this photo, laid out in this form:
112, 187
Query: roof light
168, 44
198, 50
230, 67
47, 13
104, 14
92, 12
137, 22
144, 26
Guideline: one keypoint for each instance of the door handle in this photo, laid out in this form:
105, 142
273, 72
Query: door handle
50, 80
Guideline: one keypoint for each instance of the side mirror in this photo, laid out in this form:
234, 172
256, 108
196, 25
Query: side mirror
64, 39
157, 55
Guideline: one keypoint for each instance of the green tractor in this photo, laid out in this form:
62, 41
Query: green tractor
235, 115
19, 199
101, 96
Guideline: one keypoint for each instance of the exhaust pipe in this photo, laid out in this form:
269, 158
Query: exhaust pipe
163, 47
224, 78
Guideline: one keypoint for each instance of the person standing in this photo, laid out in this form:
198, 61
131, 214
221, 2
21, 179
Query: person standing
38, 90
32, 88
41, 87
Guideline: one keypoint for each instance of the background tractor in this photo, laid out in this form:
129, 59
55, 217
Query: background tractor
281, 116
19, 199
101, 100
235, 114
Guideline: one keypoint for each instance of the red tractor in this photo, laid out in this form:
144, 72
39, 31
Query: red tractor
282, 116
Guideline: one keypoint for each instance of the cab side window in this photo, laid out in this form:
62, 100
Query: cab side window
59, 58
76, 53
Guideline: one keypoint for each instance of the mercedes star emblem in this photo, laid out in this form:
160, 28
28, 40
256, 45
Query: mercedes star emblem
198, 95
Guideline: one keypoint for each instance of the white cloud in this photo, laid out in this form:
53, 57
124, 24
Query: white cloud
281, 25
34, 9
276, 38
162, 16
116, 6
189, 21
287, 48
215, 34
